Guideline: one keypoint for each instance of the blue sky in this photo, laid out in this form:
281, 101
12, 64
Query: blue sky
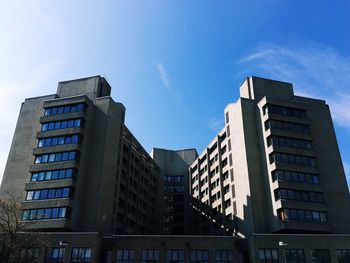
175, 64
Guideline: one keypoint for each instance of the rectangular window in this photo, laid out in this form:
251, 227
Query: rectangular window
64, 109
320, 256
52, 175
295, 256
307, 196
42, 194
292, 159
224, 256
301, 177
57, 125
30, 254
268, 255
125, 256
289, 142
282, 110
302, 215
287, 126
343, 255
174, 178
56, 254
45, 213
175, 256
52, 141
150, 256
199, 256
81, 254
55, 157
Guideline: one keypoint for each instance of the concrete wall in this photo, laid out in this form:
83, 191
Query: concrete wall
16, 173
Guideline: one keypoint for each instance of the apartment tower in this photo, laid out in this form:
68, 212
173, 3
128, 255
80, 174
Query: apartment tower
275, 167
76, 167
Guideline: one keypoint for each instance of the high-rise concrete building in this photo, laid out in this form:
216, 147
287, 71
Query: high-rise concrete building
275, 165
76, 167
175, 200
270, 187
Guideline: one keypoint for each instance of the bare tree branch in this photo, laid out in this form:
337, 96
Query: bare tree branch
15, 234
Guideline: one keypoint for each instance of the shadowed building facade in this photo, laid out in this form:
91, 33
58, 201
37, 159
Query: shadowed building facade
174, 167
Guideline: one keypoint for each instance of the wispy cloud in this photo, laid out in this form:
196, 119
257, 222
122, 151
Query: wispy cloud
315, 70
163, 76
215, 124
258, 55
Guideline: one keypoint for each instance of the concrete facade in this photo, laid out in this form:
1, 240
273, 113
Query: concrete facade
274, 166
175, 199
270, 187
108, 171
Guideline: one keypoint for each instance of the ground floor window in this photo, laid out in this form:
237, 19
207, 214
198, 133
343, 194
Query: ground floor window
320, 256
56, 254
199, 256
81, 254
343, 255
224, 256
174, 256
149, 255
125, 256
295, 255
29, 253
267, 255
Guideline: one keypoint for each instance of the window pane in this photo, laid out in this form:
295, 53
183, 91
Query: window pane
38, 159
30, 195
58, 157
47, 213
54, 141
41, 176
75, 139
58, 193
36, 195
57, 125
61, 174
62, 212
72, 156
25, 215
65, 156
69, 173
44, 194
64, 124
54, 213
61, 140
48, 175
68, 140
70, 124
65, 192
261, 254
80, 107
77, 123
47, 112
51, 158
88, 253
